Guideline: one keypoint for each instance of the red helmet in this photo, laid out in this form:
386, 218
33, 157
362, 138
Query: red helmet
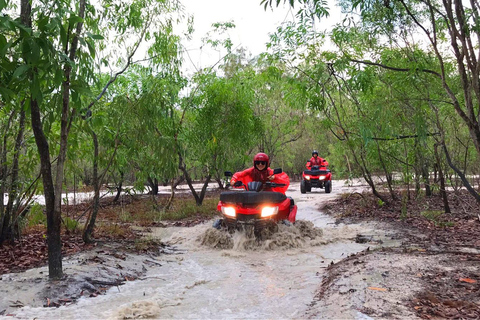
261, 157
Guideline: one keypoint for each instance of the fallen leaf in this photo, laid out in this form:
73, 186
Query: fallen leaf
417, 307
378, 289
468, 280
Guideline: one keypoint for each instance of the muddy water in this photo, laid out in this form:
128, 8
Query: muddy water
215, 275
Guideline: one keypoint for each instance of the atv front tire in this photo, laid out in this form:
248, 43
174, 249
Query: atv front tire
302, 187
328, 186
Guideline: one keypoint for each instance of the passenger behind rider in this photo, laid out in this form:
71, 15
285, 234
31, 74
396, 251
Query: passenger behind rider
261, 172
315, 160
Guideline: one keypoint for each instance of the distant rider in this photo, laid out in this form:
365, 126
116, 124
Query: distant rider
261, 172
315, 160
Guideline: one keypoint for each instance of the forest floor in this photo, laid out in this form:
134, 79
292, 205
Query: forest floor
448, 244
437, 267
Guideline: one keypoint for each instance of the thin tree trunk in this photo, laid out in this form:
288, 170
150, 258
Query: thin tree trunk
426, 180
67, 114
220, 183
14, 185
87, 234
178, 181
198, 198
4, 214
119, 191
172, 196
388, 175
443, 191
367, 176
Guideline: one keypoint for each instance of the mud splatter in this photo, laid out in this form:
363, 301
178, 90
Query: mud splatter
216, 239
140, 310
298, 235
307, 229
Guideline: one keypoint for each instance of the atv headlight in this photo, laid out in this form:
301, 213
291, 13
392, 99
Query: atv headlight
321, 178
269, 211
228, 211
307, 177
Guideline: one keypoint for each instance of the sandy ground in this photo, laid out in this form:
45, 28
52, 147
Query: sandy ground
319, 269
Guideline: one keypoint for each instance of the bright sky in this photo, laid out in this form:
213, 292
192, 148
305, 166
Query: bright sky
253, 25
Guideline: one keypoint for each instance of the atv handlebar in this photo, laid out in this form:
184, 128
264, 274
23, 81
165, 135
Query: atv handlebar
269, 184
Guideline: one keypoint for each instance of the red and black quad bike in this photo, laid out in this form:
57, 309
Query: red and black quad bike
316, 177
254, 208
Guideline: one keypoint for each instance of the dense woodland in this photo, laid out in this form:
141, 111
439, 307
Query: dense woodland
93, 94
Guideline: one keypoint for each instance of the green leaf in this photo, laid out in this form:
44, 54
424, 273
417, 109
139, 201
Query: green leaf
58, 77
6, 93
3, 45
74, 19
95, 36
20, 71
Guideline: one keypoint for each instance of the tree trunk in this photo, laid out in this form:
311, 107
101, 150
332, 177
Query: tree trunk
54, 241
220, 183
4, 214
426, 180
87, 234
119, 191
153, 183
178, 181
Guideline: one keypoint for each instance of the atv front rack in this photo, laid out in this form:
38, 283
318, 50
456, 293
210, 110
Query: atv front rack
252, 197
316, 172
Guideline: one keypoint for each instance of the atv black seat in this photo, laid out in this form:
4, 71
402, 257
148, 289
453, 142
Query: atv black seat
252, 197
316, 172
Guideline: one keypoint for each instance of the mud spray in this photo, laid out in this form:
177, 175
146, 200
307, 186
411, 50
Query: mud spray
298, 235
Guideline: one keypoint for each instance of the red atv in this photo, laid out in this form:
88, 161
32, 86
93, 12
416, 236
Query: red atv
255, 207
316, 177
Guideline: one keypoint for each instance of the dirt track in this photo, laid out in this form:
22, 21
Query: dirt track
327, 270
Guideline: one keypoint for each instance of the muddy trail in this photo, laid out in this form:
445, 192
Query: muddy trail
206, 273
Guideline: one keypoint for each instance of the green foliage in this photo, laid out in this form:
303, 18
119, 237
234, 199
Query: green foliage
70, 224
380, 203
36, 215
189, 209
435, 216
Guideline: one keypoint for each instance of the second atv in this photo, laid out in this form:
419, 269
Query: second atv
316, 177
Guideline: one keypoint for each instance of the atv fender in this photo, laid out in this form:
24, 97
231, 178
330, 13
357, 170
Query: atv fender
293, 214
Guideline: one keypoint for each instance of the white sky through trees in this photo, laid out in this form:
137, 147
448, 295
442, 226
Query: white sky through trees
253, 26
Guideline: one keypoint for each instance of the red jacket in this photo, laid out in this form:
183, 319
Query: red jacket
316, 162
251, 174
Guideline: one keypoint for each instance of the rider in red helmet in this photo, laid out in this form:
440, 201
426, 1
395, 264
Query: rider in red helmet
315, 160
261, 172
